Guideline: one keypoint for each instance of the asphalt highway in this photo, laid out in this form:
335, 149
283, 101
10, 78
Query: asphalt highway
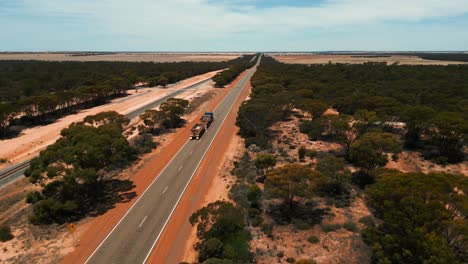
135, 235
14, 172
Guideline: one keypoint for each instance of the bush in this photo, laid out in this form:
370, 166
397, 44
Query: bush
302, 153
34, 197
238, 193
330, 227
290, 260
2, 160
312, 153
362, 179
5, 233
368, 221
212, 248
350, 226
313, 239
144, 143
301, 224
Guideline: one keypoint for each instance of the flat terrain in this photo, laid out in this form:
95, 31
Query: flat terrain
356, 59
133, 238
33, 140
132, 57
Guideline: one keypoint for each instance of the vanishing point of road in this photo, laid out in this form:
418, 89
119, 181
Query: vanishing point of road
135, 235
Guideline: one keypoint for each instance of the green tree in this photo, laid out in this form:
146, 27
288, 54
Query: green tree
7, 112
163, 81
336, 177
448, 131
371, 150
418, 213
221, 227
264, 161
417, 120
291, 182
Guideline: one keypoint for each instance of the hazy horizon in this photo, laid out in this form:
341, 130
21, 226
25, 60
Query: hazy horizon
236, 25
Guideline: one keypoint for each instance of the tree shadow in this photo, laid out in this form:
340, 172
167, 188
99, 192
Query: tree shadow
306, 212
114, 192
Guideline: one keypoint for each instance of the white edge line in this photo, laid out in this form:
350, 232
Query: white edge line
133, 205
165, 189
147, 188
196, 168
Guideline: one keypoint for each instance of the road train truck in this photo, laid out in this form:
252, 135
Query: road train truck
199, 128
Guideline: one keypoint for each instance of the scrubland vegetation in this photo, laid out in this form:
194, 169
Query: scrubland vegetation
36, 92
77, 175
237, 67
383, 110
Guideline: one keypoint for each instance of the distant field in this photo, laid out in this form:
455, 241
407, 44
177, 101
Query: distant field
132, 57
356, 59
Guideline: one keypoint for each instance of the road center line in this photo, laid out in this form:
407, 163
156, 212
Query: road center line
180, 168
165, 189
144, 219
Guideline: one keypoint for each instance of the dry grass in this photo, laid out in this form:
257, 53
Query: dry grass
324, 59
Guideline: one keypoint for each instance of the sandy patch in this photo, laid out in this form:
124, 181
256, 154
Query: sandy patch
411, 161
33, 140
340, 246
48, 245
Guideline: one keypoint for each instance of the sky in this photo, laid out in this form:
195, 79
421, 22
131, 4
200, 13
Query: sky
233, 25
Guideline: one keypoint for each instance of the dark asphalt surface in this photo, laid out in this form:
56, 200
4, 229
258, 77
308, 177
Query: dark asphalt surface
134, 237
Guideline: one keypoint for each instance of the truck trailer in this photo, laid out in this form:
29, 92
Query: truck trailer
199, 128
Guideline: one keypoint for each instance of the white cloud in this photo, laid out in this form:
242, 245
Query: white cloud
175, 22
207, 16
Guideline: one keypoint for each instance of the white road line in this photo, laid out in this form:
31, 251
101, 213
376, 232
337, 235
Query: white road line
196, 168
165, 189
191, 152
136, 202
180, 168
144, 219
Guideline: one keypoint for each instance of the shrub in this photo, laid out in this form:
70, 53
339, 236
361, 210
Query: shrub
368, 221
350, 226
313, 239
302, 153
312, 153
290, 260
280, 254
2, 160
212, 248
144, 143
301, 224
34, 197
5, 233
330, 227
